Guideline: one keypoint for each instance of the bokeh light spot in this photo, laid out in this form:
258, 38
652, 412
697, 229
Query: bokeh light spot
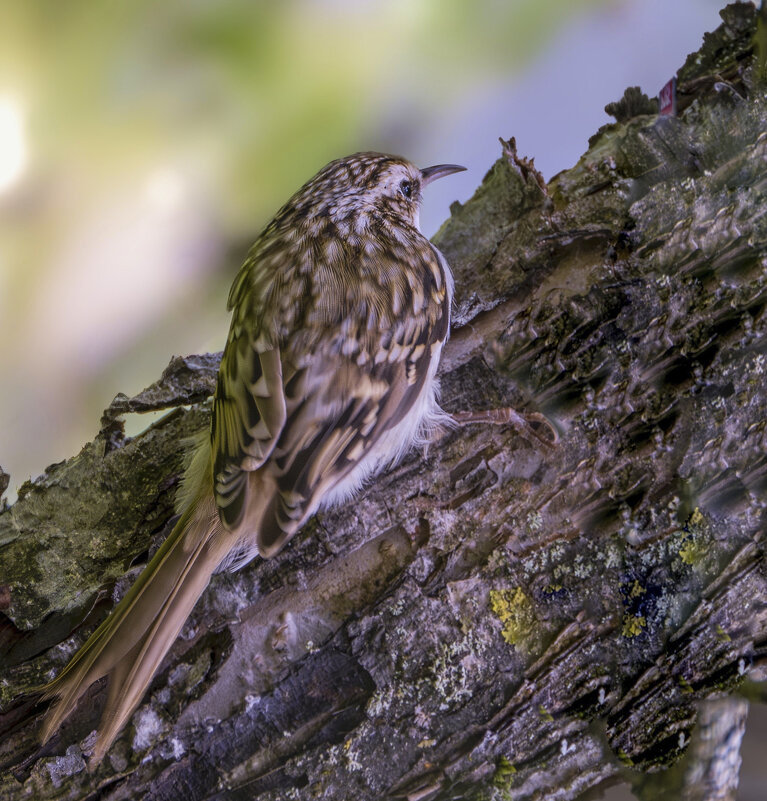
13, 151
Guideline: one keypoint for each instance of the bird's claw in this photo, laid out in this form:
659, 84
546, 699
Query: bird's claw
528, 426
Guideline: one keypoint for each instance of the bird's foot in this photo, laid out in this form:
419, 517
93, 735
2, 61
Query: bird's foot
534, 427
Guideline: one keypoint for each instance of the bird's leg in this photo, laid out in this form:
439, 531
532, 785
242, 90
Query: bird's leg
530, 426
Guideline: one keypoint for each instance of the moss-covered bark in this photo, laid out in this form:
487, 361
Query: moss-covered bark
488, 620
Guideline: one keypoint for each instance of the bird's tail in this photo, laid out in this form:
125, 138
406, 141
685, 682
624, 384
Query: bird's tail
130, 644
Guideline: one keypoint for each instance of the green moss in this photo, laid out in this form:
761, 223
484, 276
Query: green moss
504, 774
625, 758
722, 635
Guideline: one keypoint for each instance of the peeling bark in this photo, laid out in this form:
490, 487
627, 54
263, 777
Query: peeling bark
487, 620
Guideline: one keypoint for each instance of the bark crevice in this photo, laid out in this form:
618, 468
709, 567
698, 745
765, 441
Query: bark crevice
487, 620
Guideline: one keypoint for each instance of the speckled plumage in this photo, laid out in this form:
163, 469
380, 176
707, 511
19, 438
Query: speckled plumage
339, 316
344, 296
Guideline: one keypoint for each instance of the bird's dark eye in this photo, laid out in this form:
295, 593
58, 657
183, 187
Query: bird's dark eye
406, 187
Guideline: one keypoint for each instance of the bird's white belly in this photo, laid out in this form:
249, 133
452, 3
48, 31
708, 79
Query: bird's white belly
415, 429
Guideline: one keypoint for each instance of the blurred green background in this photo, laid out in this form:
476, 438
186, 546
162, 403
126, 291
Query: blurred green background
143, 145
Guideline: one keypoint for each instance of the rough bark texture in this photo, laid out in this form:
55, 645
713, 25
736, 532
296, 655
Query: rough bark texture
488, 620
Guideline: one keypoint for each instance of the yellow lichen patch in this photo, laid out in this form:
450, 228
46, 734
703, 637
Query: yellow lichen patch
636, 590
692, 551
632, 625
515, 611
427, 742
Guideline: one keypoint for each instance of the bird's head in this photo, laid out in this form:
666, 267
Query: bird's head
389, 186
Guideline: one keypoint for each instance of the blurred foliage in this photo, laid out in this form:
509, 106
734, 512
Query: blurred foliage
160, 136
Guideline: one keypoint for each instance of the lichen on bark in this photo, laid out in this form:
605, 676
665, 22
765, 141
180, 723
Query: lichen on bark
373, 658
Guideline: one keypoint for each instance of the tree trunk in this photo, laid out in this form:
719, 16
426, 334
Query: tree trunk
490, 619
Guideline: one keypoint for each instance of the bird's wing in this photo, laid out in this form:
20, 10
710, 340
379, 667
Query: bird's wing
249, 402
352, 391
306, 405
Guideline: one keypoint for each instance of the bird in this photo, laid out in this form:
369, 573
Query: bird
339, 316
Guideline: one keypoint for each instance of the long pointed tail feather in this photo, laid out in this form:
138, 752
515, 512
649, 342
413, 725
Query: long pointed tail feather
130, 644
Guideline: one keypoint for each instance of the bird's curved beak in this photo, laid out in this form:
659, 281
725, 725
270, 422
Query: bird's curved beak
429, 174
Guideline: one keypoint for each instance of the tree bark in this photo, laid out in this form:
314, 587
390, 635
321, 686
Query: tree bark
489, 619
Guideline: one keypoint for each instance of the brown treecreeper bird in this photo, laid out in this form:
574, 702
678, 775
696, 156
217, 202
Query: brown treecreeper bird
339, 316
